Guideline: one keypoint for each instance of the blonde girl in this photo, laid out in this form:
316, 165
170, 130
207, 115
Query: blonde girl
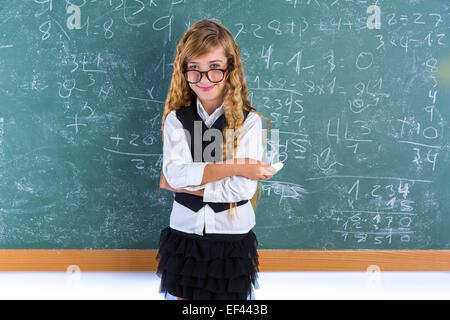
212, 152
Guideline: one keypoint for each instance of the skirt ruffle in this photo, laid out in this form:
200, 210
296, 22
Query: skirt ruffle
209, 267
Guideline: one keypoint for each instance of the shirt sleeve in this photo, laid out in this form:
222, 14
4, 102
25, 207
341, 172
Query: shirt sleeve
237, 188
178, 167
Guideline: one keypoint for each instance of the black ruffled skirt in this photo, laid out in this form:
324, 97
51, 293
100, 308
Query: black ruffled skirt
208, 267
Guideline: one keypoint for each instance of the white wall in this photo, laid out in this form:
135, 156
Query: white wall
273, 285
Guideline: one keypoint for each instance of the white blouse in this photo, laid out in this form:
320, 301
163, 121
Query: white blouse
182, 173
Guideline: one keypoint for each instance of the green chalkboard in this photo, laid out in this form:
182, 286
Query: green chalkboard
362, 116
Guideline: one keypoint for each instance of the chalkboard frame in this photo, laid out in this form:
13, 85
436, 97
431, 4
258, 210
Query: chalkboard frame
270, 260
57, 94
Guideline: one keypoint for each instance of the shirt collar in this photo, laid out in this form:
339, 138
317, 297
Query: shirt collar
204, 115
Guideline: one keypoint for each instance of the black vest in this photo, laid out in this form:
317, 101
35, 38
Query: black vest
187, 116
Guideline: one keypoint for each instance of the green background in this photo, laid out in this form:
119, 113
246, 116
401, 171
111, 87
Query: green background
362, 119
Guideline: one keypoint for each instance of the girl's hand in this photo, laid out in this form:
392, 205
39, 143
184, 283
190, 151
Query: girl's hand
165, 185
256, 170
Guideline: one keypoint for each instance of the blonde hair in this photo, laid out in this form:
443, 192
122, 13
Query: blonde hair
201, 38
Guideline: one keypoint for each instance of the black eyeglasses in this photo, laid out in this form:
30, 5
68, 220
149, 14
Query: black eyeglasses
213, 75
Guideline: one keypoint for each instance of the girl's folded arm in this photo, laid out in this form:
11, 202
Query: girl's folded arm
236, 188
179, 169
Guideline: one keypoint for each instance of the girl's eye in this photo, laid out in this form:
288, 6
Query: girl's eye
213, 66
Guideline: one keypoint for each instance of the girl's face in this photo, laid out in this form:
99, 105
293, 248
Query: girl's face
210, 93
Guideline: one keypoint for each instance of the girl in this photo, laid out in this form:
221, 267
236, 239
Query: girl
209, 250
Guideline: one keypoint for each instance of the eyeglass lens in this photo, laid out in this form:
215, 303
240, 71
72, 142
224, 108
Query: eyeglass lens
213, 75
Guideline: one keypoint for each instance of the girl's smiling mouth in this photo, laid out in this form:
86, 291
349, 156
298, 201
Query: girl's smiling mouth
207, 88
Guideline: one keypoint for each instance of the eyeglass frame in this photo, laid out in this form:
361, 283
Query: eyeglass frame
206, 72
